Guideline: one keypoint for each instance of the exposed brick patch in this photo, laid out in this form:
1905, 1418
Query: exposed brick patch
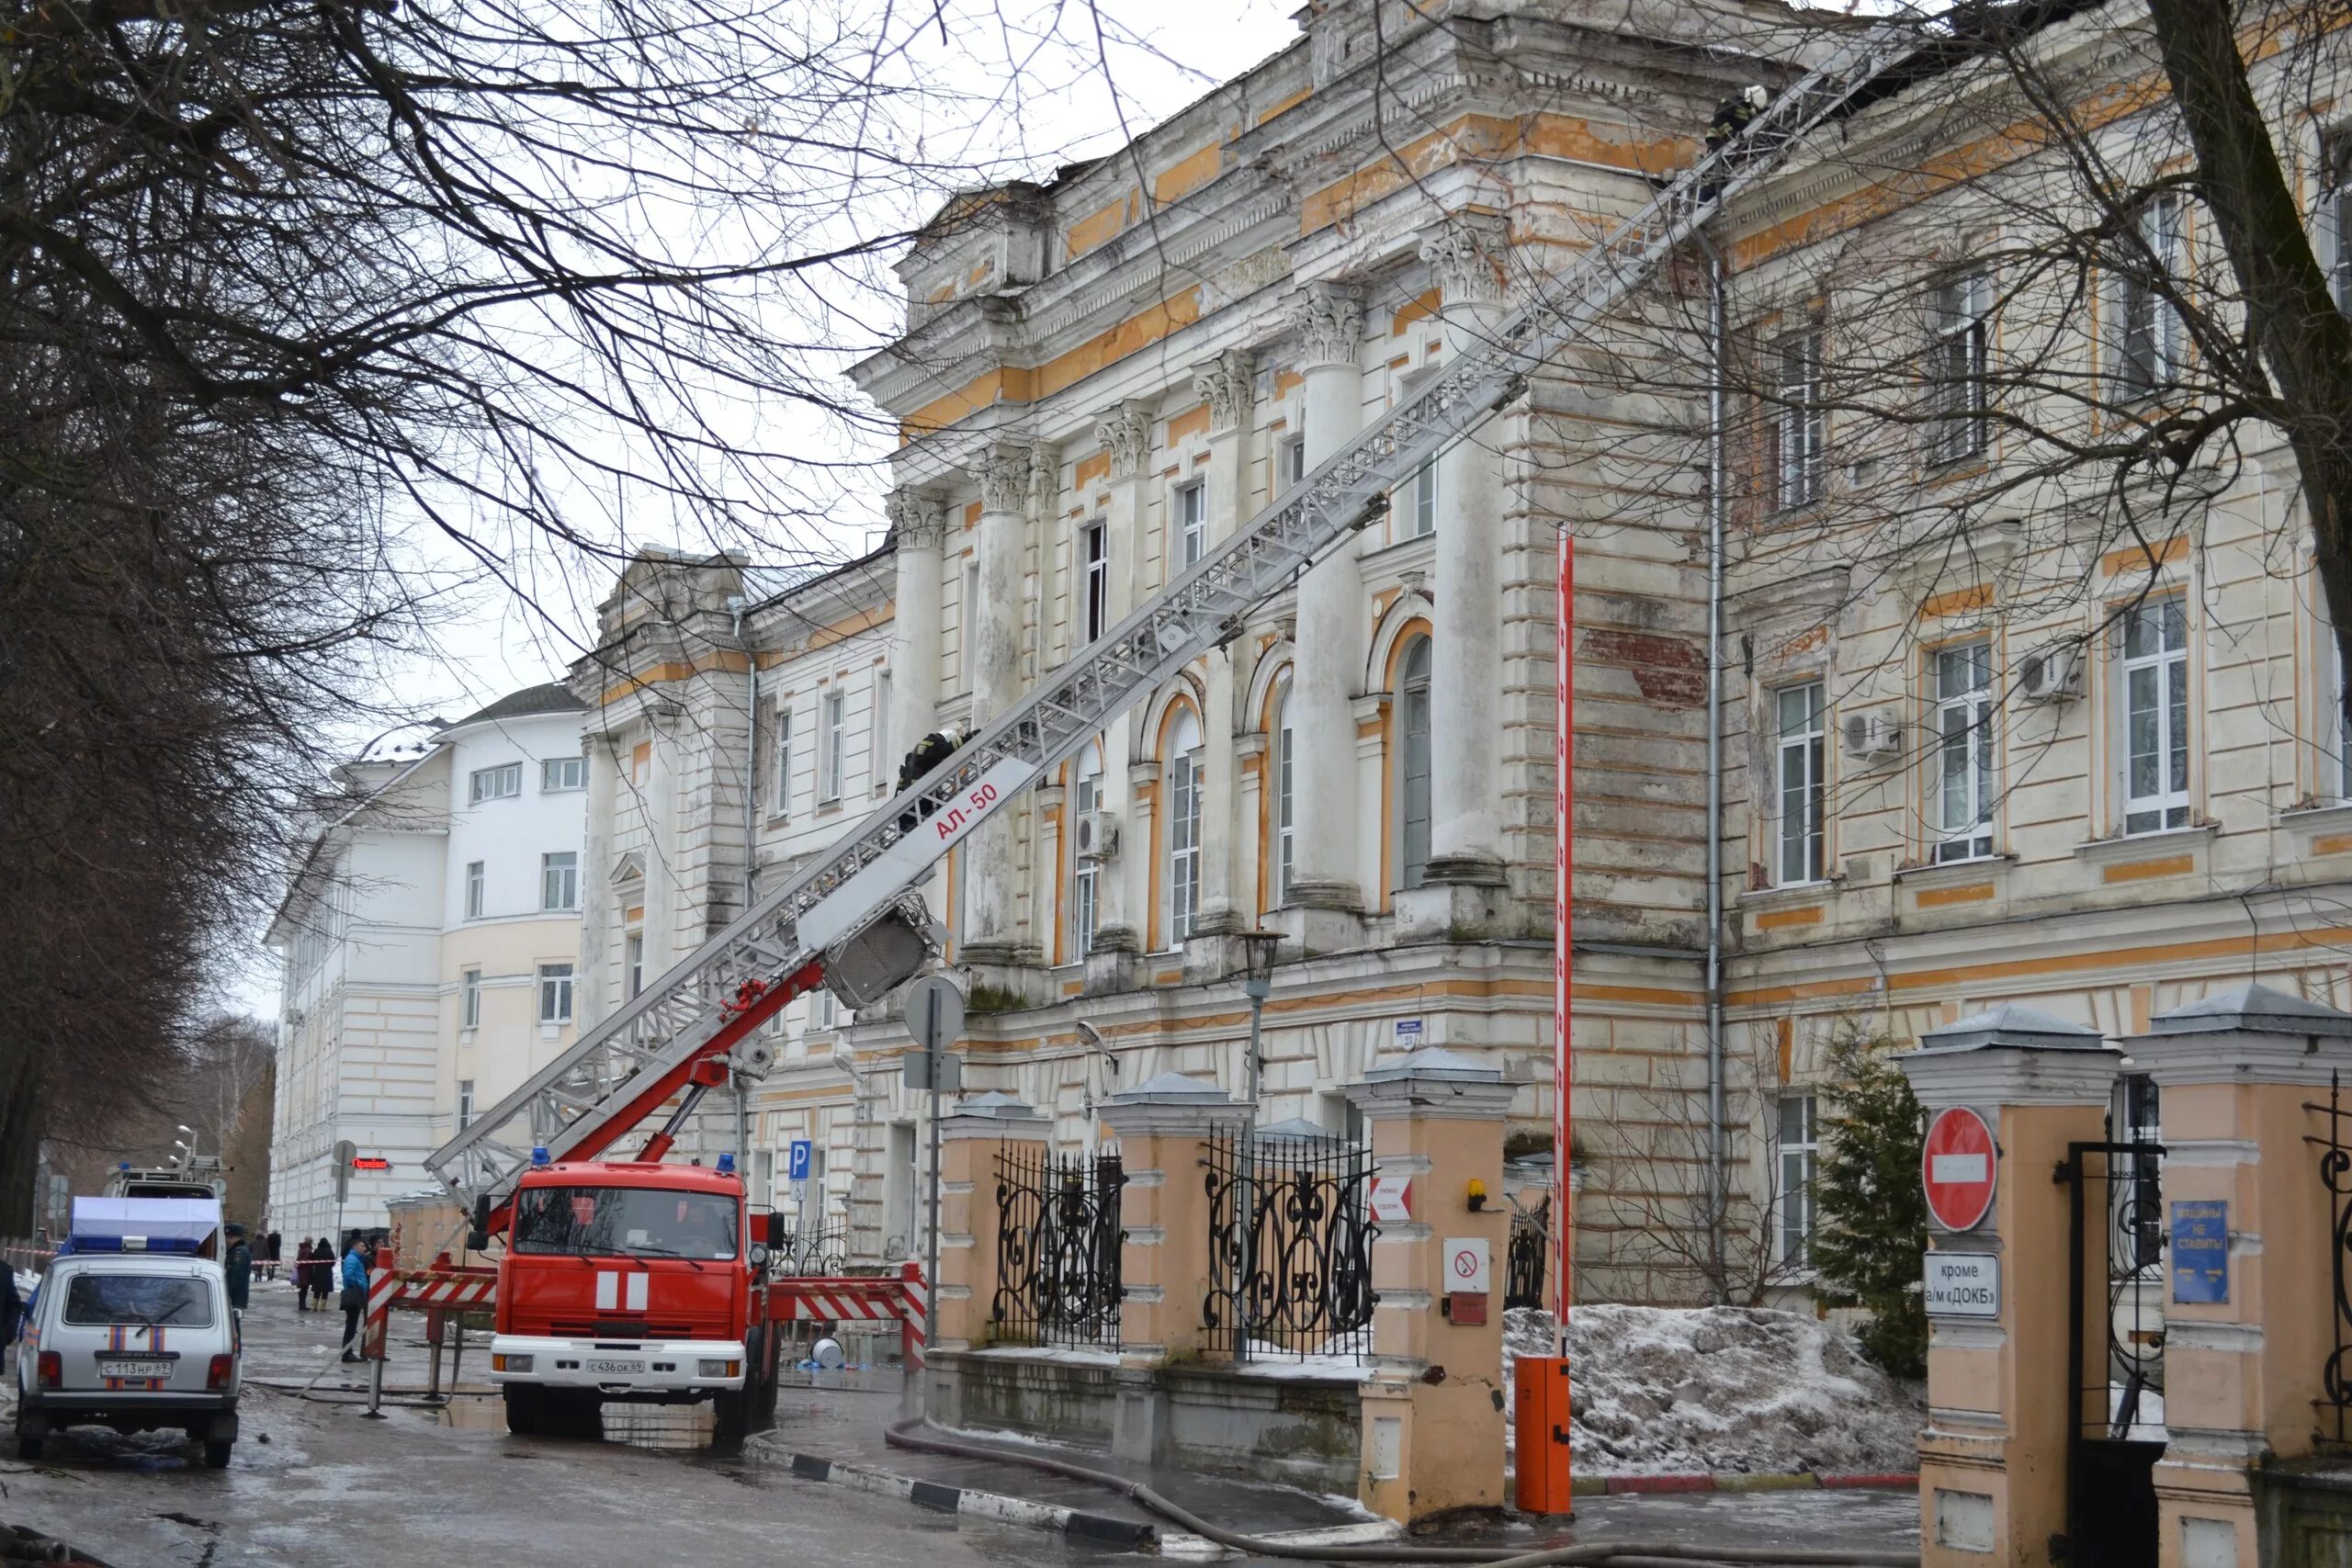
1671, 672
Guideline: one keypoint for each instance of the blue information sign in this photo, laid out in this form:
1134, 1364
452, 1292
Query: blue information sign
798, 1165
2201, 1251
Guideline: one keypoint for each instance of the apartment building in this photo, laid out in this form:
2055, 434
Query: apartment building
430, 943
1985, 727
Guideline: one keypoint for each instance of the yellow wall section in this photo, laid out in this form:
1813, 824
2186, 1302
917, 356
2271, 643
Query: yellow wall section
1097, 227
1091, 469
1187, 174
1290, 103
1479, 138
1015, 385
1191, 421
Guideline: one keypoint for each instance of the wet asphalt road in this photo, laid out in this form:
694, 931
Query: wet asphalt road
314, 1481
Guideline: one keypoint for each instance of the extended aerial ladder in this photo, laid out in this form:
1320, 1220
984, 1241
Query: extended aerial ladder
851, 919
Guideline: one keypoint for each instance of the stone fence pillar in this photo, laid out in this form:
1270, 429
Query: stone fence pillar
1992, 1459
1163, 1127
2249, 1316
968, 1144
1432, 1439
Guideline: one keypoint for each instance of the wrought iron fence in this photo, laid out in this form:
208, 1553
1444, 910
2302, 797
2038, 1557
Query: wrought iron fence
1057, 1248
2116, 1291
1290, 1247
814, 1249
2335, 1175
1530, 1246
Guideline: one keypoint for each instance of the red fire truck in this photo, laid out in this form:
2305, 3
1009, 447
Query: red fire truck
635, 1281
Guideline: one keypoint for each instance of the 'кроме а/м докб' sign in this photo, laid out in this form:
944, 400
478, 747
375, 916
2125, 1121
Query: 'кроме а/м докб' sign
1964, 1284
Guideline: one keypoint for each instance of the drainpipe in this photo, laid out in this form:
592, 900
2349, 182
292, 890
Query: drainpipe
1718, 1174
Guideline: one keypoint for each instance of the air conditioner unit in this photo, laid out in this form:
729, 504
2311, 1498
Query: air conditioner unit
1873, 737
293, 1018
1096, 835
2052, 674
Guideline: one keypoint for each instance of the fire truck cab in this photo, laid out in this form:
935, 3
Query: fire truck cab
631, 1281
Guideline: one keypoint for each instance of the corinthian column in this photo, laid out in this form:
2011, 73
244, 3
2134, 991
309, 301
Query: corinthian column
993, 628
1228, 385
919, 523
1330, 625
1466, 670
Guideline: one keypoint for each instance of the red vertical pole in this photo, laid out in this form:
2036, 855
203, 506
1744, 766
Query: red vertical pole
1563, 931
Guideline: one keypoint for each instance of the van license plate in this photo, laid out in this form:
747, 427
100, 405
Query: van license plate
119, 1368
622, 1366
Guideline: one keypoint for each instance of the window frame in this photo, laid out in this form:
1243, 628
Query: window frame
878, 732
833, 741
1424, 481
1094, 545
574, 769
2336, 198
782, 752
1975, 706
2169, 807
503, 781
1797, 1198
469, 998
1811, 745
632, 963
477, 888
2142, 310
557, 983
1414, 695
1960, 381
1293, 462
1086, 875
1191, 519
552, 866
1286, 803
1800, 422
465, 1103
1185, 770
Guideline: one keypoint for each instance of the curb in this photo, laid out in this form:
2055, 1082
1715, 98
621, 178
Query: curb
1096, 1530
1732, 1481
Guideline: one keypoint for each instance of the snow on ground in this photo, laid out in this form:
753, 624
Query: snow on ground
1664, 1390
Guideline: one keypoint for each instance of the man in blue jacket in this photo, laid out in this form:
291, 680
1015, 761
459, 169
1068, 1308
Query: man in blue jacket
355, 1295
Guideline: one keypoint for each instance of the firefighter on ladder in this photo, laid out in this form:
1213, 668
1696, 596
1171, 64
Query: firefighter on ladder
929, 752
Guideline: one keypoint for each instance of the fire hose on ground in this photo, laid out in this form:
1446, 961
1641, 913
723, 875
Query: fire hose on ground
919, 1436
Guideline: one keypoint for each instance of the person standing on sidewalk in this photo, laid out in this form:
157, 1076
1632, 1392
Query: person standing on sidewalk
238, 1267
355, 1296
302, 1274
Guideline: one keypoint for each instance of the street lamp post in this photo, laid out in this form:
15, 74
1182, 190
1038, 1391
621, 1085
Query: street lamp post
1257, 982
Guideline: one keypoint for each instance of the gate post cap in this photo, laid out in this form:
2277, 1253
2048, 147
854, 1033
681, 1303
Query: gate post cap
1172, 1089
1170, 1105
1433, 1080
995, 1114
2257, 1008
2011, 1054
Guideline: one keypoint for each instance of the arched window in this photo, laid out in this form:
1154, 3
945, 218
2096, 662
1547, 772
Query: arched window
1085, 797
1413, 763
1183, 752
1286, 812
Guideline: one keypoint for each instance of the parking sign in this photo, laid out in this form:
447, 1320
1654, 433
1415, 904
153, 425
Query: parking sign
798, 1165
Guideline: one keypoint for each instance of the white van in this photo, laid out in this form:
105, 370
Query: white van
138, 1341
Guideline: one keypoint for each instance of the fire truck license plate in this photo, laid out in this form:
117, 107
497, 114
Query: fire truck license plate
112, 1368
615, 1366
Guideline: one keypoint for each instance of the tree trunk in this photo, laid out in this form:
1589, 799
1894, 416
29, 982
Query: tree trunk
2306, 341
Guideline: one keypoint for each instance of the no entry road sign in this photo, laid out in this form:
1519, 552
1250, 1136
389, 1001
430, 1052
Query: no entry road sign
1957, 1167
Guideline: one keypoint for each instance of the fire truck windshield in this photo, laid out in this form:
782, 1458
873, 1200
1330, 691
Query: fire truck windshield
617, 1221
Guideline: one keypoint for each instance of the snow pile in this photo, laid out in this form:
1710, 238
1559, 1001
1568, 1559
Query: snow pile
1664, 1390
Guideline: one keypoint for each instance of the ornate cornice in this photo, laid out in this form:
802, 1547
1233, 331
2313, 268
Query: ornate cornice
1228, 385
1125, 434
1330, 319
918, 516
1464, 255
1004, 477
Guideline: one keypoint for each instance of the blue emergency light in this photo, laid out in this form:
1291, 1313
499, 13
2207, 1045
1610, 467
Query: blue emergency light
726, 1164
539, 1153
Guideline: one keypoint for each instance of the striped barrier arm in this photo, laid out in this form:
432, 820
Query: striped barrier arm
384, 1283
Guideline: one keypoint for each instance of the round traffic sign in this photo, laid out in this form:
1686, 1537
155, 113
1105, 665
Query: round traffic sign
1957, 1167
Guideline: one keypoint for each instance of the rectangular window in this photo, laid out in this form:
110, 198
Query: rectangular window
1798, 762
877, 741
830, 743
555, 993
641, 764
633, 962
497, 783
1096, 539
1422, 519
1184, 844
560, 880
823, 1012
1962, 773
2337, 216
558, 774
1086, 882
1286, 807
1293, 462
470, 999
1800, 1149
1192, 521
474, 889
2337, 765
2155, 715
2152, 348
969, 633
783, 796
465, 1103
1961, 356
1800, 422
